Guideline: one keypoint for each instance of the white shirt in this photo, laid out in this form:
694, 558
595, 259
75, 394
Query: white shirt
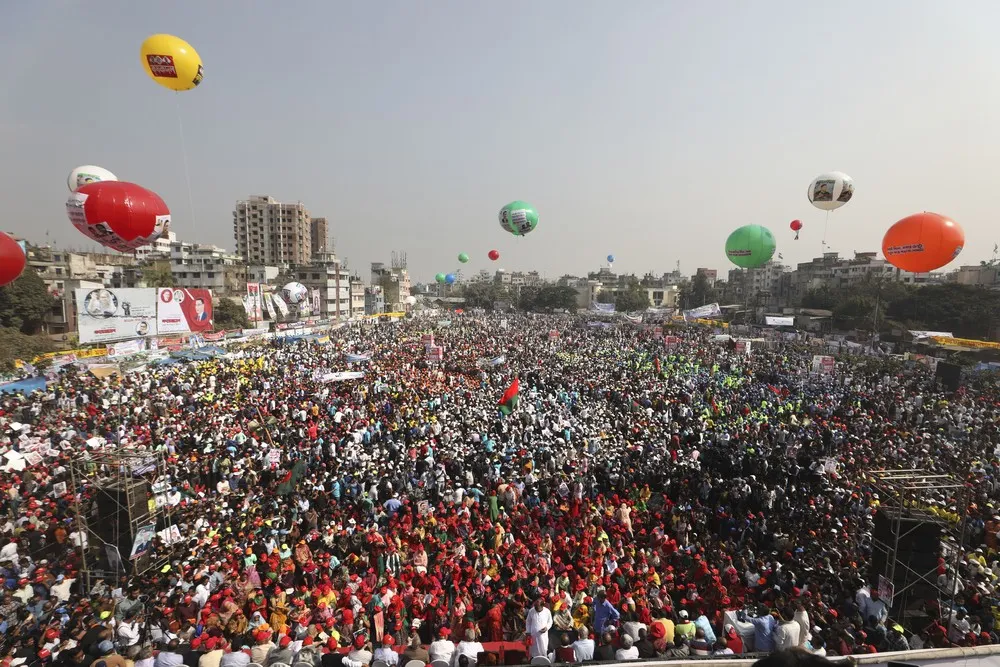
471, 650
386, 655
786, 635
128, 634
627, 654
538, 621
442, 649
583, 650
9, 552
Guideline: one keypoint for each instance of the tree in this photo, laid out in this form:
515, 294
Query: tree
701, 291
25, 302
605, 296
230, 315
158, 275
16, 345
632, 299
547, 298
966, 311
822, 298
484, 295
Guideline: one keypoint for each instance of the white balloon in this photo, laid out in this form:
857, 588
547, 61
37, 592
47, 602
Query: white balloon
295, 292
830, 191
410, 300
88, 173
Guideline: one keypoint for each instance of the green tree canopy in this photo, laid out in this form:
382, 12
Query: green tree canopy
484, 295
25, 302
966, 311
230, 315
17, 345
632, 299
547, 298
158, 275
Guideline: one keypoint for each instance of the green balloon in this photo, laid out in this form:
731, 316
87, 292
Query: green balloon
439, 278
518, 218
750, 246
463, 258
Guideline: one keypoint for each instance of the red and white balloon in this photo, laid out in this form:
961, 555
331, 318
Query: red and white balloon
122, 216
12, 260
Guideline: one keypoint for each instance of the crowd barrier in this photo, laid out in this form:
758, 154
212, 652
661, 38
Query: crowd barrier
977, 656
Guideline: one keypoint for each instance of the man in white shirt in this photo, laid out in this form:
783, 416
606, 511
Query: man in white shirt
468, 647
627, 651
128, 632
537, 627
9, 552
786, 635
443, 649
386, 653
583, 647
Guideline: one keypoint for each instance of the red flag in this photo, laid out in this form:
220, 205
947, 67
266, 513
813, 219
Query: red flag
509, 400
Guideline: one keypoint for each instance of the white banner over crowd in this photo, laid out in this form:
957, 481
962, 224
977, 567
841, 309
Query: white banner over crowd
107, 315
705, 312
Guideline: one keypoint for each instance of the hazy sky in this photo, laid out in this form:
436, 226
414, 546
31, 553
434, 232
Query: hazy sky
646, 129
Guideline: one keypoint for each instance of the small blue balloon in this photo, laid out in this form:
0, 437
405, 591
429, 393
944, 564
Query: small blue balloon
450, 278
611, 259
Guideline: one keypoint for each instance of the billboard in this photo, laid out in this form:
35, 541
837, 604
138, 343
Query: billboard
779, 321
703, 312
183, 310
106, 315
255, 303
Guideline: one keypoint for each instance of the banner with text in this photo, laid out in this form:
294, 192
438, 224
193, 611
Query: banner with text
106, 315
707, 311
183, 310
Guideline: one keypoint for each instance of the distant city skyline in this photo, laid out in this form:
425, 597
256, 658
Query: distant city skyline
647, 130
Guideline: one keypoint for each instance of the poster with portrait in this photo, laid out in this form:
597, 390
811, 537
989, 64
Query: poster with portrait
183, 310
105, 315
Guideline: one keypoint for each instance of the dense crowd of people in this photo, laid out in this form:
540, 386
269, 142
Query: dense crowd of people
641, 501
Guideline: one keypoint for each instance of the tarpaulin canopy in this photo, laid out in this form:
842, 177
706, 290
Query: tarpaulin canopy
24, 386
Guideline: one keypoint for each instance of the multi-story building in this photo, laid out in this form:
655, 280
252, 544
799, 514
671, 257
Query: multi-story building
395, 284
765, 285
979, 275
357, 298
201, 266
318, 231
374, 300
711, 275
272, 233
333, 281
160, 248
832, 272
259, 273
63, 271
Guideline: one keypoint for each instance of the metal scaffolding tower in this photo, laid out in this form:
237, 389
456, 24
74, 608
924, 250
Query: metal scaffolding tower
120, 498
905, 499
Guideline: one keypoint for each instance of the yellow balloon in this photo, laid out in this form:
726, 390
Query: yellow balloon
171, 62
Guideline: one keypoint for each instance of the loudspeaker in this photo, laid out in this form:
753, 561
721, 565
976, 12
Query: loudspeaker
916, 533
950, 375
115, 517
918, 549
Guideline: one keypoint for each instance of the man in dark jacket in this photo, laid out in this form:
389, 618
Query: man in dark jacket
645, 645
606, 651
414, 651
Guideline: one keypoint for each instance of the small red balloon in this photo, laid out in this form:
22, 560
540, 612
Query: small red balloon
12, 260
494, 255
123, 216
796, 225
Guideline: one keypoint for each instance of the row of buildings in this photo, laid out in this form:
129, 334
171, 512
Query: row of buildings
277, 243
772, 287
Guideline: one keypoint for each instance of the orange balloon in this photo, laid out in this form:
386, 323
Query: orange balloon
923, 242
